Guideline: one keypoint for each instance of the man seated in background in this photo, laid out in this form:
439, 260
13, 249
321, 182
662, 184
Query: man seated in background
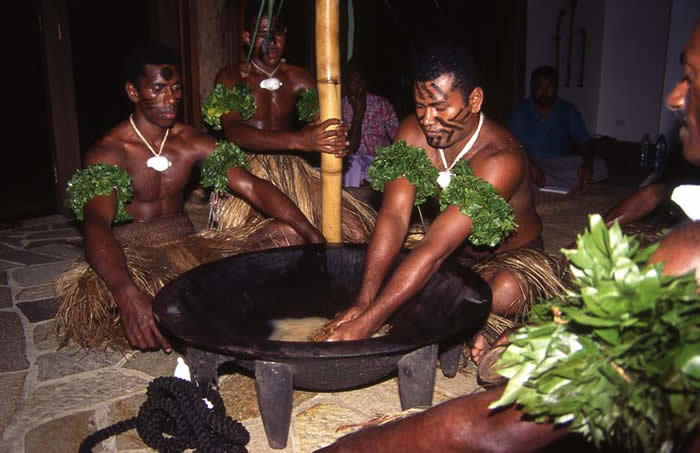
550, 128
371, 122
270, 91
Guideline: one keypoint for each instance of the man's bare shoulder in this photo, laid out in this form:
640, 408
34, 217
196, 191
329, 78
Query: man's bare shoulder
229, 75
298, 76
500, 144
192, 137
411, 132
110, 149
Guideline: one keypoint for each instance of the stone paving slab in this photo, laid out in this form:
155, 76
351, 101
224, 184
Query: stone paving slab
65, 233
5, 297
39, 310
27, 258
63, 434
52, 219
72, 394
35, 292
5, 249
125, 409
5, 265
71, 360
44, 336
61, 250
13, 355
40, 274
156, 363
11, 240
12, 385
3, 278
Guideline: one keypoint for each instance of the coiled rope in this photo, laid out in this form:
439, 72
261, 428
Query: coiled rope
175, 417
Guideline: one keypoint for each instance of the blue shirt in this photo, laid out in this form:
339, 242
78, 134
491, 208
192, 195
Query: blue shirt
547, 137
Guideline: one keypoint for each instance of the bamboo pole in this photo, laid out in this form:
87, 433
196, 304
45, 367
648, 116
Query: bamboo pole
328, 79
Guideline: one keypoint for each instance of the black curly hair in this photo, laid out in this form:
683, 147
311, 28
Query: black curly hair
134, 64
435, 59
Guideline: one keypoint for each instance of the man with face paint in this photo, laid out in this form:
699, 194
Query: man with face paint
548, 128
449, 125
275, 86
271, 136
158, 154
466, 424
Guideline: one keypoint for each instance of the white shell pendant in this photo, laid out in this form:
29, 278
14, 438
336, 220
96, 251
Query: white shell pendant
271, 84
444, 178
159, 163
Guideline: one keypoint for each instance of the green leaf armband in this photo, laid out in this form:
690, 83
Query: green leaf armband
214, 170
222, 100
492, 218
402, 160
307, 105
99, 179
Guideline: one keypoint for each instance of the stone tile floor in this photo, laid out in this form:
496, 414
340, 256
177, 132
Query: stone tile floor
52, 399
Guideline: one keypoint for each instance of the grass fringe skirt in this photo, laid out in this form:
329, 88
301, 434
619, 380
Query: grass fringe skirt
302, 184
87, 313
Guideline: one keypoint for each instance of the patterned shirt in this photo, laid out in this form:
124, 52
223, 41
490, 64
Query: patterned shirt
379, 127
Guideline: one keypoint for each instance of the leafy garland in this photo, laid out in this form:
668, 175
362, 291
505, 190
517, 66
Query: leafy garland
618, 359
96, 180
307, 105
222, 100
492, 218
215, 167
402, 160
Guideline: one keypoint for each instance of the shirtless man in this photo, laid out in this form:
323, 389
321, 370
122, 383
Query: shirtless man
155, 89
448, 115
466, 424
272, 128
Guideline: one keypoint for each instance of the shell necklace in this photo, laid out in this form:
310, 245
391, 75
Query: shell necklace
271, 83
446, 176
157, 162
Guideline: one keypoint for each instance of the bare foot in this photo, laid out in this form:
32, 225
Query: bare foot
479, 348
481, 345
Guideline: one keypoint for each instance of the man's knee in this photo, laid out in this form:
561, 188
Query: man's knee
507, 295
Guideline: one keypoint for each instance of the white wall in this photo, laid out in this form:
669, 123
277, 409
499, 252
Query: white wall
684, 13
541, 29
635, 41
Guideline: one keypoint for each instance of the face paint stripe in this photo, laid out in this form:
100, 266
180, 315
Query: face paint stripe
438, 89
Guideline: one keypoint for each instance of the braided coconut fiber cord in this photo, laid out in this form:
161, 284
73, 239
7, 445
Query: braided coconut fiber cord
302, 184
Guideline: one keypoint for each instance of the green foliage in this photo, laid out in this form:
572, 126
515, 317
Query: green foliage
401, 160
619, 358
215, 168
222, 100
307, 105
492, 218
99, 179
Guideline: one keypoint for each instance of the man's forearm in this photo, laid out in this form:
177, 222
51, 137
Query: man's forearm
638, 205
461, 425
410, 277
106, 257
385, 244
